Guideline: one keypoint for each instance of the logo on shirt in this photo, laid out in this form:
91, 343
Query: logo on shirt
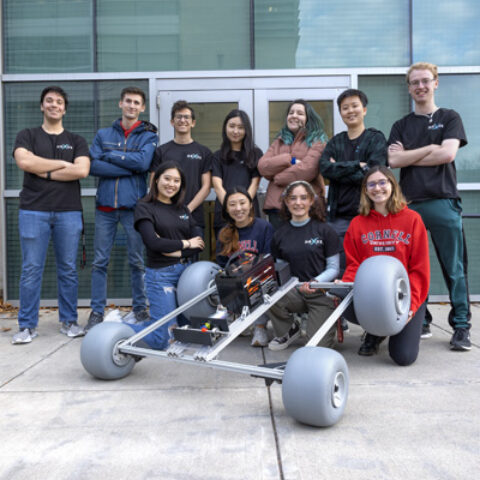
386, 237
314, 241
435, 126
248, 245
64, 146
184, 217
194, 156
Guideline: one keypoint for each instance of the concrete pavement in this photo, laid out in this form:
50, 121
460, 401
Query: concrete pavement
172, 421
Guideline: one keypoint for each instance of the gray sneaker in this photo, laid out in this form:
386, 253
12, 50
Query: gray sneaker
72, 330
24, 335
260, 337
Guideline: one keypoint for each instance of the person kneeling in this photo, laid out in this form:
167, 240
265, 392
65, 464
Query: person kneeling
311, 247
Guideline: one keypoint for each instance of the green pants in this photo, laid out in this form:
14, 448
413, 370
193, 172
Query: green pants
443, 219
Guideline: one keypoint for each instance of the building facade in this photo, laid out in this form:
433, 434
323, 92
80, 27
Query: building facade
221, 54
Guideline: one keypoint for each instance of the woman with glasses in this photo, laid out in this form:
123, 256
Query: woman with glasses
235, 164
386, 226
294, 155
311, 247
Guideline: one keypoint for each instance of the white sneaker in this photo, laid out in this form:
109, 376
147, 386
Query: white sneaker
281, 343
24, 335
116, 316
72, 330
260, 337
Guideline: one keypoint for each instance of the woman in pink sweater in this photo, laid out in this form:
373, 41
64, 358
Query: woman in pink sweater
293, 155
386, 226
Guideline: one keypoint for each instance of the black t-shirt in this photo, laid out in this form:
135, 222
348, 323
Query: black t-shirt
349, 193
306, 248
194, 159
416, 131
45, 195
170, 222
233, 174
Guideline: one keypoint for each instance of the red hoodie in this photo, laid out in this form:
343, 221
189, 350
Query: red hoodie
401, 235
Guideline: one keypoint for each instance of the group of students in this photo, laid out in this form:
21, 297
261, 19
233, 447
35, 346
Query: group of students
366, 213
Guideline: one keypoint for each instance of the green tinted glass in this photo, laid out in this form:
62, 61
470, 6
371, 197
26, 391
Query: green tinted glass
147, 35
309, 33
47, 36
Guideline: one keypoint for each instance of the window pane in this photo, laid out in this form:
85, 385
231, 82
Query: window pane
446, 33
146, 35
456, 91
92, 105
388, 100
47, 36
309, 33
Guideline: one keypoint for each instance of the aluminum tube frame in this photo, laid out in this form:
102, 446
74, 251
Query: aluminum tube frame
264, 372
161, 321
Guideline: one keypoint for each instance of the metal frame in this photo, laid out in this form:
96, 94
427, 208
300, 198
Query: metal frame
269, 80
207, 356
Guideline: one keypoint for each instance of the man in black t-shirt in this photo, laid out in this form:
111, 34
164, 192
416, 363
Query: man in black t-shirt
53, 160
424, 144
194, 159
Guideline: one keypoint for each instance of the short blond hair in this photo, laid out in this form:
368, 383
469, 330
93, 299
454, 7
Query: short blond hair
423, 66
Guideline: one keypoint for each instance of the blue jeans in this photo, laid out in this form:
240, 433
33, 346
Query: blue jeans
105, 231
35, 229
161, 285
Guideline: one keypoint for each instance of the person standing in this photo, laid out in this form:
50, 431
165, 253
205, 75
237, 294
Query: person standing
424, 144
293, 155
194, 159
235, 164
53, 160
121, 156
346, 159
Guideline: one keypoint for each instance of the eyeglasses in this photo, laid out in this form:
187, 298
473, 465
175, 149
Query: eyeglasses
422, 81
380, 183
182, 117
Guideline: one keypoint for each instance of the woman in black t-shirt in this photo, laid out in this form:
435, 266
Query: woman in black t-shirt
311, 247
168, 232
236, 162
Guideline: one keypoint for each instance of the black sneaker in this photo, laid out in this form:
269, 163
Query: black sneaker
141, 316
93, 320
370, 345
281, 343
461, 340
426, 332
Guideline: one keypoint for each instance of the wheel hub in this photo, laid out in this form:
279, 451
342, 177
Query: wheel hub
338, 390
119, 358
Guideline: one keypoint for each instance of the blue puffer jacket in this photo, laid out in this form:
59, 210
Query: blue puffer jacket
122, 163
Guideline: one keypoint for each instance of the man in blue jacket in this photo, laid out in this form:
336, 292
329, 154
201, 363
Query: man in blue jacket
120, 157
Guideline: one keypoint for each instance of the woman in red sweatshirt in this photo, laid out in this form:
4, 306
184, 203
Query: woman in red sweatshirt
386, 226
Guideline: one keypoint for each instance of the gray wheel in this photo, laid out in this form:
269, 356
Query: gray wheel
197, 278
315, 386
99, 354
381, 295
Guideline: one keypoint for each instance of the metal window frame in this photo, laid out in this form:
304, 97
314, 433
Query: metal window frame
202, 80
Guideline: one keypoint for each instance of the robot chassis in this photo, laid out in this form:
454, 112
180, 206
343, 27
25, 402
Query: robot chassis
315, 380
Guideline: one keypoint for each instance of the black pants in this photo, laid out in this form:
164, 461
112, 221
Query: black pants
404, 346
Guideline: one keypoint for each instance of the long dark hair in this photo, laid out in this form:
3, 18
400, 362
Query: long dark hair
314, 128
226, 152
229, 236
179, 197
317, 210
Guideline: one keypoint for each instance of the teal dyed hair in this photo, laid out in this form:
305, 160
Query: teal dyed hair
314, 128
